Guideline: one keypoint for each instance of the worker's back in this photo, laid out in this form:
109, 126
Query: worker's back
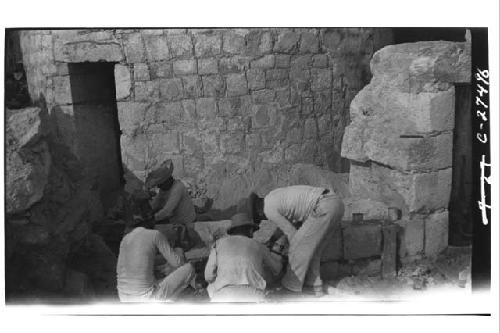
135, 262
240, 261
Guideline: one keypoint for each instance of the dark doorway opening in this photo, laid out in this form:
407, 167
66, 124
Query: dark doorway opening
460, 221
93, 93
412, 35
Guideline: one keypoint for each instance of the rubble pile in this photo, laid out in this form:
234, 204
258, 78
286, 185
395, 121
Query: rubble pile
50, 209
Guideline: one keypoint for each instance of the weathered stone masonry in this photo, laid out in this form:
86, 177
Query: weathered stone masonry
229, 106
400, 139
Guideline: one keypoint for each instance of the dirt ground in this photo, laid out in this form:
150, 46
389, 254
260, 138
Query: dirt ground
450, 272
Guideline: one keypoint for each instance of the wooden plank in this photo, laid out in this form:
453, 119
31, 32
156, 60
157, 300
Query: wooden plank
389, 252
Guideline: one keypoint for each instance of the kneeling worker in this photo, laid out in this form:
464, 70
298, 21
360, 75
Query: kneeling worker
309, 216
135, 268
238, 265
172, 204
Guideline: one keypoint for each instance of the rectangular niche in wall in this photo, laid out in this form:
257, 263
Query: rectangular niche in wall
96, 122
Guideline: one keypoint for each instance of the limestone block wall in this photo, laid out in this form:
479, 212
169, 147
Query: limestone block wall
229, 106
400, 139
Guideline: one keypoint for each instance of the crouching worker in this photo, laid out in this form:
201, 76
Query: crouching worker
238, 266
308, 216
172, 203
135, 268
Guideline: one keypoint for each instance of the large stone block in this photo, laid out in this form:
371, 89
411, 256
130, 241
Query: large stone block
161, 69
131, 115
321, 79
166, 142
362, 241
146, 91
236, 84
181, 45
208, 66
122, 82
156, 47
62, 90
309, 43
287, 42
192, 86
134, 48
206, 108
88, 51
264, 62
141, 72
423, 62
234, 64
433, 111
410, 192
207, 45
436, 233
171, 89
256, 79
233, 43
169, 114
183, 67
213, 86
370, 208
134, 152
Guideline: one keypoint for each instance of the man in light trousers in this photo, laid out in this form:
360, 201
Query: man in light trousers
317, 213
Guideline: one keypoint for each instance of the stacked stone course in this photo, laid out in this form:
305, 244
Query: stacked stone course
247, 99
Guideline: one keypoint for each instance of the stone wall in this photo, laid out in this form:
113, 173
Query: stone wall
400, 140
229, 106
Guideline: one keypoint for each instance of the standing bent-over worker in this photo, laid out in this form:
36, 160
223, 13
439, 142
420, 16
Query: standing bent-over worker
317, 213
172, 203
135, 268
239, 268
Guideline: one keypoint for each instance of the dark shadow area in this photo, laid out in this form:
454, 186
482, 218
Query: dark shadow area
460, 223
97, 130
411, 35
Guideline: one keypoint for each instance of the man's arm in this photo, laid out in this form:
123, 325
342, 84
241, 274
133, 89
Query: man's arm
272, 261
271, 211
172, 202
166, 250
211, 266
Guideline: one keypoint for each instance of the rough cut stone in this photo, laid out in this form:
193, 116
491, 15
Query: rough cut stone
181, 45
287, 42
28, 160
265, 62
207, 66
321, 79
171, 89
207, 45
256, 79
334, 248
141, 72
183, 67
146, 91
192, 86
236, 84
134, 48
213, 85
206, 108
161, 70
436, 233
131, 115
156, 47
62, 90
309, 43
89, 51
122, 81
234, 64
233, 43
